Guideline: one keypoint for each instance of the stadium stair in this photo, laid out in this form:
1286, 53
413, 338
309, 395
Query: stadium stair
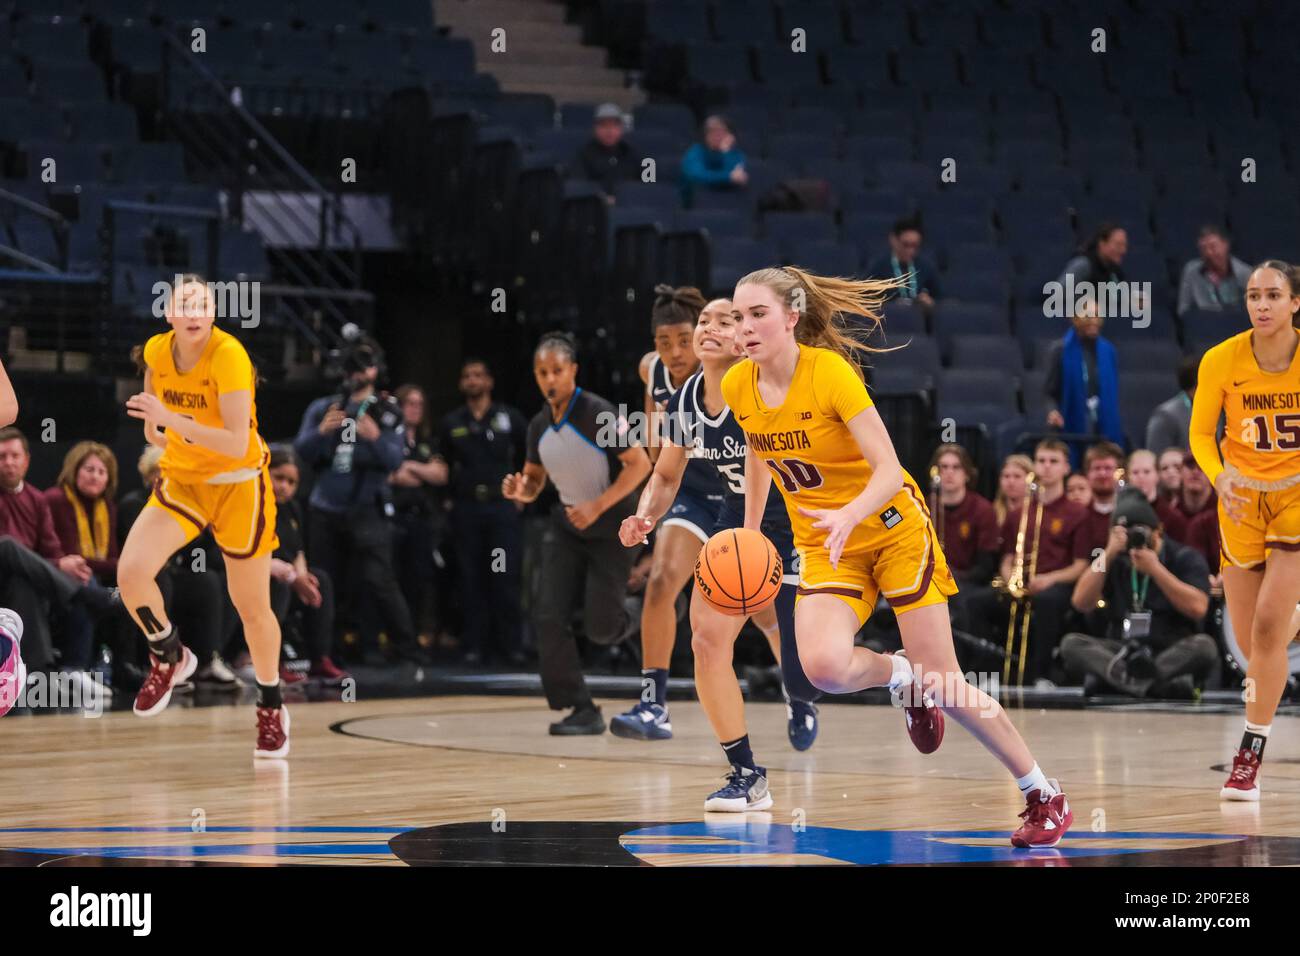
543, 54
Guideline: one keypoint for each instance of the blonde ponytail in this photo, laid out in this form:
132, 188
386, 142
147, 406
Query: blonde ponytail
826, 300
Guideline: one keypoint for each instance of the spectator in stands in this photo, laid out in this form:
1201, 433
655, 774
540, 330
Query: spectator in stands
1167, 426
905, 260
38, 579
1142, 474
1101, 259
1012, 482
715, 163
1101, 464
607, 158
1196, 493
417, 521
193, 586
1154, 644
968, 522
297, 589
351, 440
84, 514
482, 442
1216, 282
1082, 381
1077, 490
967, 528
1170, 465
1062, 555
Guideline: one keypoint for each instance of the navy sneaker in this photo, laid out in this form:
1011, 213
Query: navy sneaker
645, 721
803, 724
746, 789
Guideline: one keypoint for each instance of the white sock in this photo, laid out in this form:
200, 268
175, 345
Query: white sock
902, 674
162, 635
1035, 780
1260, 730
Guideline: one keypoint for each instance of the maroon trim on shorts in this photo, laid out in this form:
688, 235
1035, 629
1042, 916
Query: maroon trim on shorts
261, 524
842, 592
1282, 545
157, 493
913, 596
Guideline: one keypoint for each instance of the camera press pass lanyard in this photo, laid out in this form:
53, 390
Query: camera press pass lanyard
1139, 594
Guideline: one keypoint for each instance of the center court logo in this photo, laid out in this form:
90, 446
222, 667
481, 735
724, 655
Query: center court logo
76, 909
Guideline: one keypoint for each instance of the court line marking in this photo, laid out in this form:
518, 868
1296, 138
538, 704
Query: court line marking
340, 727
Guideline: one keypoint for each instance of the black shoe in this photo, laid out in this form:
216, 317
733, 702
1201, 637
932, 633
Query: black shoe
99, 601
584, 721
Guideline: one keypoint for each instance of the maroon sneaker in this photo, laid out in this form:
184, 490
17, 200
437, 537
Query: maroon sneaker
924, 720
328, 671
1241, 783
156, 691
1046, 820
272, 732
291, 676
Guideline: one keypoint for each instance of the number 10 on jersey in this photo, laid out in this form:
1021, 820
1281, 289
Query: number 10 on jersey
795, 474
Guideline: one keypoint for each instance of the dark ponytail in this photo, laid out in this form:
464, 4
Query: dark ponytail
676, 306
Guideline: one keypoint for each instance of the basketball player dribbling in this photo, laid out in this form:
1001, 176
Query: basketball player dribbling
860, 522
13, 675
1253, 378
198, 406
700, 432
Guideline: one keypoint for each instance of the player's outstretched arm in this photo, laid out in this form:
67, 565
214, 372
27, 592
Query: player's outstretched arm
8, 399
657, 496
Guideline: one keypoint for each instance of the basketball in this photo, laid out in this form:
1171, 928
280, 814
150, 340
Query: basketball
738, 571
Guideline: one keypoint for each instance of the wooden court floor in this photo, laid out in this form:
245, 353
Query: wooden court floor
478, 780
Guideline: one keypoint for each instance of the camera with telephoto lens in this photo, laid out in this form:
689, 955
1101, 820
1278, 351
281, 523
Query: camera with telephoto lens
1139, 536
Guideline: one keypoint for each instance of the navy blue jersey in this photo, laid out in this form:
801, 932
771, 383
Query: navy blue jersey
659, 383
719, 443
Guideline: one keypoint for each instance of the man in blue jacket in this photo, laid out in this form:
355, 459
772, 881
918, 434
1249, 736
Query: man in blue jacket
352, 443
715, 163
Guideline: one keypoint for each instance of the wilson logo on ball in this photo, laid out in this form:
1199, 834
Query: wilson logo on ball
738, 572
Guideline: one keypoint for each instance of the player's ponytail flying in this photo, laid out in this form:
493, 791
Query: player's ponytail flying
823, 302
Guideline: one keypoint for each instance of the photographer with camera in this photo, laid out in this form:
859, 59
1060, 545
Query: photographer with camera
352, 441
1154, 644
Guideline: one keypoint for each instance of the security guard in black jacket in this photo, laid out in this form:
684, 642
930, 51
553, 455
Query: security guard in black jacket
482, 442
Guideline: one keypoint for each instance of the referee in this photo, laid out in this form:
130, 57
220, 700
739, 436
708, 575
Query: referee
577, 440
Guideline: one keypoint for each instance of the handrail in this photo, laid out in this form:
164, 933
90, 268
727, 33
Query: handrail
19, 256
34, 207
331, 208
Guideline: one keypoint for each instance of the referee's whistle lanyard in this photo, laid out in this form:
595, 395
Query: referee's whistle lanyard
910, 273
